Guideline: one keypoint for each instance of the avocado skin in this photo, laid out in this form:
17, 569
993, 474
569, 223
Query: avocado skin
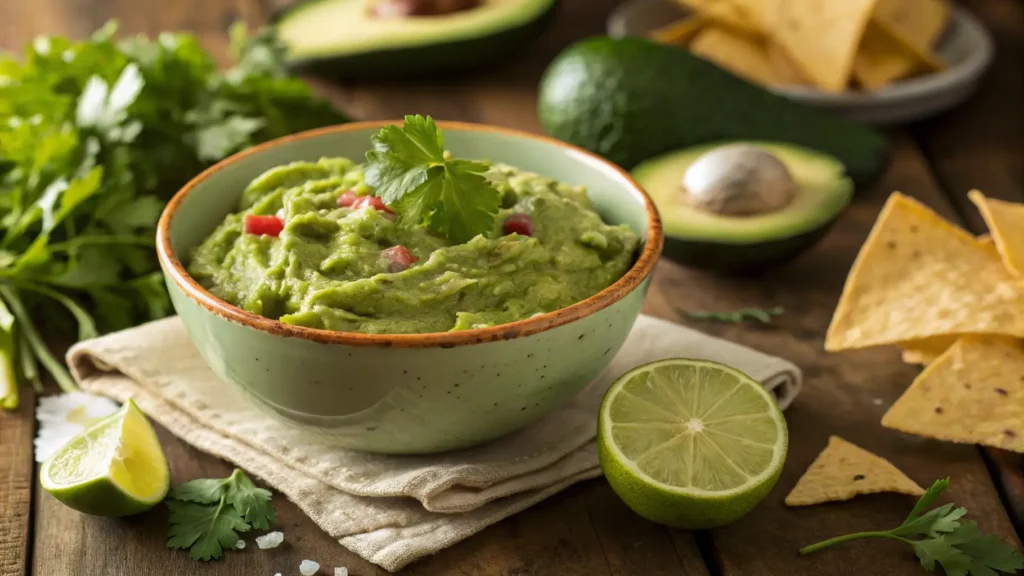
630, 99
422, 61
743, 259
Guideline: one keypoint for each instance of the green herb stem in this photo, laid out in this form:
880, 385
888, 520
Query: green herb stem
859, 535
35, 341
8, 377
105, 240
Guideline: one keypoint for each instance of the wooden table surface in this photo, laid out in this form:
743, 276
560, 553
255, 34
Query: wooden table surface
586, 530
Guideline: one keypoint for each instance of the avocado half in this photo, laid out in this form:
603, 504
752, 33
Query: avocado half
747, 244
339, 38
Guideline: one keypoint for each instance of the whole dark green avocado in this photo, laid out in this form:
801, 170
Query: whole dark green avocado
630, 99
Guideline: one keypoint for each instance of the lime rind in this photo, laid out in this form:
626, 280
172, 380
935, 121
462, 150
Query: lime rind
724, 407
99, 473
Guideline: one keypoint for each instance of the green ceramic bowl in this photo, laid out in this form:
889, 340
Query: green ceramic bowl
409, 393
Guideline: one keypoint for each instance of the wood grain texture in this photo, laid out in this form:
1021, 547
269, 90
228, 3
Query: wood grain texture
981, 145
17, 472
586, 530
845, 394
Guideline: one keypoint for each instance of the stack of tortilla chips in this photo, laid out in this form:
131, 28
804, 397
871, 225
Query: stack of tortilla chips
953, 302
831, 45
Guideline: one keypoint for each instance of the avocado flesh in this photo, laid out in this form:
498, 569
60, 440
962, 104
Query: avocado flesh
340, 37
746, 244
630, 99
823, 192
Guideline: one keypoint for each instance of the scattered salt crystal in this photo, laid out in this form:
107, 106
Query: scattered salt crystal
343, 571
308, 568
270, 540
240, 544
878, 401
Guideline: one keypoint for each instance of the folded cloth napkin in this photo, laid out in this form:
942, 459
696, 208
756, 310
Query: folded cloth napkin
390, 510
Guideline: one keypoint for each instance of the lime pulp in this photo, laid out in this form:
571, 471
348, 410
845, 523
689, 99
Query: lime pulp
690, 443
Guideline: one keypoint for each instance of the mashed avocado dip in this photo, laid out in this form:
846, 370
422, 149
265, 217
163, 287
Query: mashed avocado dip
311, 247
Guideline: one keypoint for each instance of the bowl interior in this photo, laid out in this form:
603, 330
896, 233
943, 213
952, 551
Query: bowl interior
614, 196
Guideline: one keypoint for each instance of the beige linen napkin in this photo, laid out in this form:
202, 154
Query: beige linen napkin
390, 510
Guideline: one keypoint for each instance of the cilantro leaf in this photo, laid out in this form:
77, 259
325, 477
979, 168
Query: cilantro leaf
934, 522
207, 514
408, 169
762, 315
251, 502
955, 544
205, 531
95, 136
201, 490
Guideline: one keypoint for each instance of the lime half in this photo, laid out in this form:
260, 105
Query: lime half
115, 468
690, 443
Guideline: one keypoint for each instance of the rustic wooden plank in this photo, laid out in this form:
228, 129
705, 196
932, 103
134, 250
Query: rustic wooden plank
981, 145
846, 394
17, 471
67, 542
585, 531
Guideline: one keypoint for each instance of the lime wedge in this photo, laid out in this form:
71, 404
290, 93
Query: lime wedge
115, 468
690, 443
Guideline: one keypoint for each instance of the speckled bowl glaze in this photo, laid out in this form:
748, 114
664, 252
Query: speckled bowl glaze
409, 393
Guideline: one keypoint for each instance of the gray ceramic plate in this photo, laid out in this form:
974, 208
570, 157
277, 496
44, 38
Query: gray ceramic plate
966, 46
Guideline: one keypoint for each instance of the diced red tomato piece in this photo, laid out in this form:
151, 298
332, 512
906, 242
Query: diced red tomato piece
520, 224
377, 203
348, 198
263, 225
400, 258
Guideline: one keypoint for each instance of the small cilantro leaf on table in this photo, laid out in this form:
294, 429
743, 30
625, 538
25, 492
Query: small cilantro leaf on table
409, 170
957, 545
762, 315
208, 514
205, 531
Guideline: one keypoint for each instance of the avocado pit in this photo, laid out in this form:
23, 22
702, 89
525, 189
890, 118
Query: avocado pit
738, 180
387, 9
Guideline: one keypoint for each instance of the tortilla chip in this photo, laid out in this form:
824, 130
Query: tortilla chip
918, 276
974, 394
881, 59
919, 23
843, 471
680, 32
745, 15
784, 69
822, 36
1005, 221
738, 53
926, 350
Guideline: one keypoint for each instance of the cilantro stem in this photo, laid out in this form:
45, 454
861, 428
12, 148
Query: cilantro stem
857, 536
80, 241
35, 341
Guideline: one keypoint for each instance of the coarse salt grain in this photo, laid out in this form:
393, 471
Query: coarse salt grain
240, 544
270, 540
343, 571
308, 568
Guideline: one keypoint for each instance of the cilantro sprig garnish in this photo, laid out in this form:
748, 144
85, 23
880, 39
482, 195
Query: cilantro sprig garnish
956, 544
410, 172
208, 514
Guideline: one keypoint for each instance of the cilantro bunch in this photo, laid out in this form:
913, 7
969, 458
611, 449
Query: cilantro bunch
95, 136
208, 514
941, 536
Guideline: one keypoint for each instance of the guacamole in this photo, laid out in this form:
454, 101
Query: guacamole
312, 247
